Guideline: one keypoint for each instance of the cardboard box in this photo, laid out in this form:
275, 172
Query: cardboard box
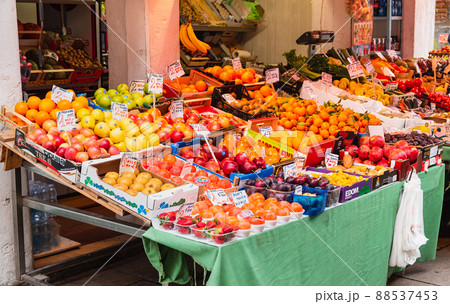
193, 77
147, 206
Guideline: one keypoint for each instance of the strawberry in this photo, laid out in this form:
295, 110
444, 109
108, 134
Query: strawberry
200, 224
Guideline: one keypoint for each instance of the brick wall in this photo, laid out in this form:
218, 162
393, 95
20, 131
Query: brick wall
442, 10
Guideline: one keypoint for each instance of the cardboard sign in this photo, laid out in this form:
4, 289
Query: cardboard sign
175, 70
229, 98
128, 163
443, 38
119, 110
236, 63
376, 130
272, 75
369, 67
351, 59
60, 94
355, 70
137, 86
387, 72
299, 190
155, 83
176, 109
266, 131
289, 170
327, 78
299, 162
66, 120
331, 160
185, 209
200, 129
380, 56
188, 164
238, 198
391, 87
217, 197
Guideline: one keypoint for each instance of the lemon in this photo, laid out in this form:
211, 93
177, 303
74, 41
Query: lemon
82, 112
98, 115
108, 115
88, 122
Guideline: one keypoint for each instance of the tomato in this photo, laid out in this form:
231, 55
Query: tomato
417, 82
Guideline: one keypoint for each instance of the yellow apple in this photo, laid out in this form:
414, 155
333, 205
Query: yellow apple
101, 129
125, 122
108, 115
152, 140
82, 112
88, 122
122, 147
98, 115
113, 124
141, 142
148, 128
131, 130
131, 144
117, 135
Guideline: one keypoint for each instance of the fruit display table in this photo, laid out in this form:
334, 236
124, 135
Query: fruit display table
346, 245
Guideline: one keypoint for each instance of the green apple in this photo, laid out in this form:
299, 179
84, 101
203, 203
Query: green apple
131, 104
104, 101
146, 92
112, 92
139, 101
125, 96
122, 87
117, 99
136, 94
148, 100
98, 91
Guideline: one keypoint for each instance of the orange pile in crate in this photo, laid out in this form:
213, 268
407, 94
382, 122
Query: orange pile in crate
227, 73
199, 86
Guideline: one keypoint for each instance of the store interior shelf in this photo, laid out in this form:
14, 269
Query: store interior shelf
207, 28
394, 18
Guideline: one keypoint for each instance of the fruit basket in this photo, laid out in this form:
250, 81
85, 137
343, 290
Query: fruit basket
312, 200
172, 89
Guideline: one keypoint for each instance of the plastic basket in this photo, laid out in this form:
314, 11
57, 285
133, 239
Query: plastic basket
313, 205
86, 76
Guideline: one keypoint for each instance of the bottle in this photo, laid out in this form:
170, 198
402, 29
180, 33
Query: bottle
36, 232
44, 192
52, 195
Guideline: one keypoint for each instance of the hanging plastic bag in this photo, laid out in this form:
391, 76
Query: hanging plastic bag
409, 231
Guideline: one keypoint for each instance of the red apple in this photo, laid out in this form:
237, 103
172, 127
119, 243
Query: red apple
364, 140
212, 166
64, 145
200, 161
213, 126
49, 145
94, 152
74, 132
186, 113
53, 131
376, 141
31, 137
401, 143
168, 118
41, 138
191, 120
81, 157
163, 135
39, 131
70, 153
411, 152
177, 136
368, 162
376, 154
352, 150
204, 122
397, 154
113, 150
185, 151
58, 141
66, 136
94, 137
105, 143
363, 152
224, 122
78, 146
60, 151
90, 143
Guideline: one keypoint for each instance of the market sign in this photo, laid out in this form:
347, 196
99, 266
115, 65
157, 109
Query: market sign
128, 163
155, 83
331, 160
380, 56
266, 131
187, 167
217, 197
369, 67
137, 86
185, 209
272, 75
119, 110
229, 98
175, 70
238, 198
327, 78
176, 109
355, 70
59, 94
237, 65
391, 87
200, 129
66, 120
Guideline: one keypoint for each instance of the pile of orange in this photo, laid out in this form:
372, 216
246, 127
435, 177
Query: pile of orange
227, 73
325, 121
199, 86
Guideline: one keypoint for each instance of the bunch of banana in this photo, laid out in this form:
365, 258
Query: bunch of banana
190, 41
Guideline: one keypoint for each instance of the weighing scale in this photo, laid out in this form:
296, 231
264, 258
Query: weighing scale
315, 38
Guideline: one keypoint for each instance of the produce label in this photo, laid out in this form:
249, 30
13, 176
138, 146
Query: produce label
155, 83
137, 86
66, 120
175, 70
185, 209
266, 131
245, 214
299, 162
128, 163
443, 38
369, 67
60, 94
327, 78
272, 75
380, 56
119, 110
299, 190
229, 98
391, 87
238, 198
392, 53
351, 59
187, 167
387, 72
331, 160
355, 70
217, 197
294, 169
236, 63
176, 109
200, 129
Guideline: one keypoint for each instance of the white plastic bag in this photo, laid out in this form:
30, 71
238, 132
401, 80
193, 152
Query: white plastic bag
409, 231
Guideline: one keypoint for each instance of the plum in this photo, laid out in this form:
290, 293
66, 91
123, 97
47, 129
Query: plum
260, 183
313, 182
250, 182
290, 180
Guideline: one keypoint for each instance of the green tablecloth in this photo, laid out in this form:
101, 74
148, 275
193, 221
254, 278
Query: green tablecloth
346, 245
446, 154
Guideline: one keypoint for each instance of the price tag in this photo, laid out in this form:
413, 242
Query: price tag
155, 83
176, 109
355, 70
119, 110
380, 55
299, 190
432, 161
236, 63
229, 98
185, 209
376, 130
391, 87
327, 78
187, 167
351, 59
245, 214
175, 70
60, 94
272, 75
433, 151
217, 197
128, 163
392, 164
295, 77
238, 198
200, 129
331, 160
66, 120
137, 86
266, 131
369, 67
392, 53
387, 72
443, 38
299, 163
433, 106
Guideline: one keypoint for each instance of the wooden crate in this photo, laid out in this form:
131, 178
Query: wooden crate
6, 114
35, 78
193, 61
67, 79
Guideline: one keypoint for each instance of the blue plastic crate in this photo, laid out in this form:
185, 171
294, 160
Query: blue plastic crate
312, 205
93, 105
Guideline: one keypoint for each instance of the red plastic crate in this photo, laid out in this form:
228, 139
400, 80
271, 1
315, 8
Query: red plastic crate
86, 76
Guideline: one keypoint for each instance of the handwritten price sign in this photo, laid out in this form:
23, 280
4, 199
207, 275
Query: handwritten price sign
392, 53
266, 131
187, 167
327, 78
66, 120
331, 160
355, 70
217, 197
119, 110
185, 209
369, 67
238, 198
443, 38
176, 109
175, 70
155, 83
351, 59
391, 87
128, 163
60, 94
272, 75
137, 86
236, 63
229, 98
200, 129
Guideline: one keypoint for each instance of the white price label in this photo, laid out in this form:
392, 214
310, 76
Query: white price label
128, 163
200, 129
185, 209
245, 214
299, 190
187, 167
327, 78
175, 70
355, 70
66, 120
443, 38
351, 59
299, 162
272, 75
391, 87
331, 160
392, 53
217, 197
290, 170
155, 83
119, 110
369, 67
380, 56
176, 109
376, 130
137, 86
433, 151
387, 72
266, 131
236, 63
238, 198
229, 98
60, 94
